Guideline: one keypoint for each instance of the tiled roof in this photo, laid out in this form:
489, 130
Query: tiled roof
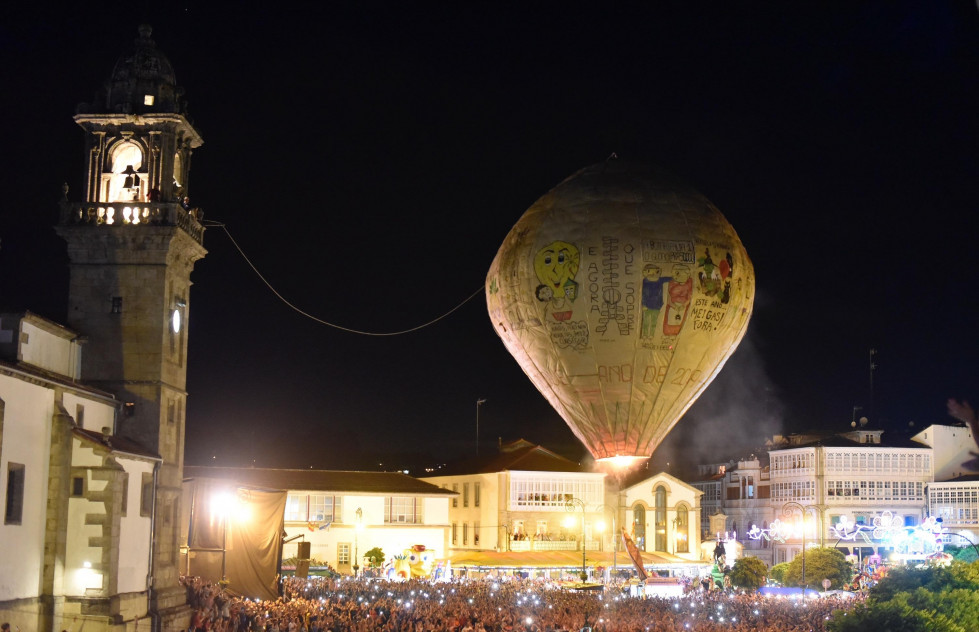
525, 457
320, 480
116, 443
888, 440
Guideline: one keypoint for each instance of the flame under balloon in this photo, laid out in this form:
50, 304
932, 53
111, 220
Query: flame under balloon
621, 293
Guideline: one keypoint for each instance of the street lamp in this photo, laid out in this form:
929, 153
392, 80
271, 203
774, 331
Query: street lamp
358, 527
225, 505
803, 510
615, 533
571, 504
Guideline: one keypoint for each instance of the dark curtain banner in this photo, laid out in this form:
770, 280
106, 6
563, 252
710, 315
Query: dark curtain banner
254, 545
255, 522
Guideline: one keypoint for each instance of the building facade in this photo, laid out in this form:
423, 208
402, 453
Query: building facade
856, 491
78, 499
342, 515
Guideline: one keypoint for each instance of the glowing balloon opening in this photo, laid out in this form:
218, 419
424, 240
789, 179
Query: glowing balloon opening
622, 462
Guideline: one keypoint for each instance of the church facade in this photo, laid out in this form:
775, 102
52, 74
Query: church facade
92, 414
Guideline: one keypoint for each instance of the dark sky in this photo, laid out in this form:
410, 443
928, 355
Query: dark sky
370, 157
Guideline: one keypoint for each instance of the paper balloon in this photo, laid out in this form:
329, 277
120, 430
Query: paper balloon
621, 293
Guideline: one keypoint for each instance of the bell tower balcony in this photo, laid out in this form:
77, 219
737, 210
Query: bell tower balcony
132, 214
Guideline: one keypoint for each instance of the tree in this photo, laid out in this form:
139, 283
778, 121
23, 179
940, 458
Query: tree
374, 557
777, 572
748, 573
821, 563
918, 599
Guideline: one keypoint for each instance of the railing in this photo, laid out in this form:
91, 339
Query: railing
550, 545
134, 214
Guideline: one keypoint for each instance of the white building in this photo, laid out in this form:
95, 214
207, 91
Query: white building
840, 490
956, 502
77, 498
953, 450
518, 500
345, 514
528, 509
662, 515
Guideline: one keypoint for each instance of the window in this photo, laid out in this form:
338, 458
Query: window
660, 517
455, 533
475, 494
324, 509
541, 528
542, 492
77, 486
343, 554
146, 495
14, 506
682, 530
455, 499
465, 494
465, 533
80, 415
639, 526
297, 509
402, 509
476, 531
125, 494
116, 304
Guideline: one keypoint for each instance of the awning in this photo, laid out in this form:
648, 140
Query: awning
561, 559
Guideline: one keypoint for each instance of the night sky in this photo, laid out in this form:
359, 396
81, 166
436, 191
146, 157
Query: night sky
370, 157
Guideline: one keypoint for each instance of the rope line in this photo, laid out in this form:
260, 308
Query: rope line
325, 322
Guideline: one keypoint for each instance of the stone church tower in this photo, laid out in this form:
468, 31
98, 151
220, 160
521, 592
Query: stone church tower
132, 245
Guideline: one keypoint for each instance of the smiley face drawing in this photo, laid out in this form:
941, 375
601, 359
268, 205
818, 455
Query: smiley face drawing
556, 265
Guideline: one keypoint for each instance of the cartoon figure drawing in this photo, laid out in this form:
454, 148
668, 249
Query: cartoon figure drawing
652, 298
715, 279
556, 265
679, 292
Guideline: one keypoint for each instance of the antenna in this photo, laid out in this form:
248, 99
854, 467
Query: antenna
872, 368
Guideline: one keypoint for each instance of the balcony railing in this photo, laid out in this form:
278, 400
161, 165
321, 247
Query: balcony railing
99, 214
551, 545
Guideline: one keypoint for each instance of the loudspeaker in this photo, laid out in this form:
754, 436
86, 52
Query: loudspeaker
302, 568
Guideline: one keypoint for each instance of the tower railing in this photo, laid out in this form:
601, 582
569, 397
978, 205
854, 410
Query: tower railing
134, 214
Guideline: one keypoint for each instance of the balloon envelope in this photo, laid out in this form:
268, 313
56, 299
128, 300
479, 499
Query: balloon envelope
621, 293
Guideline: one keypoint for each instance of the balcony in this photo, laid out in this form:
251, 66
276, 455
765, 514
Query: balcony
122, 214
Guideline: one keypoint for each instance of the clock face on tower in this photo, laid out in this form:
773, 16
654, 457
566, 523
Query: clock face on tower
175, 321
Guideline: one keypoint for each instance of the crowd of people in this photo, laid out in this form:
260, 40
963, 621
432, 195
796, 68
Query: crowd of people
368, 605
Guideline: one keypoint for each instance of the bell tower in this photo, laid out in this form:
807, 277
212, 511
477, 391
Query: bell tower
132, 244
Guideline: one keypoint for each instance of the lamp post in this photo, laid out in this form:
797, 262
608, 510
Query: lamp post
221, 507
479, 402
803, 510
358, 526
572, 504
615, 533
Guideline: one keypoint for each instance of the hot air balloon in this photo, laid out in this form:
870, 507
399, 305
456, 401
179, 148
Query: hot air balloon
621, 293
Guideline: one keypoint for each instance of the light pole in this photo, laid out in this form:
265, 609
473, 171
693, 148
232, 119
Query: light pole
571, 504
803, 510
479, 402
221, 506
358, 526
615, 542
